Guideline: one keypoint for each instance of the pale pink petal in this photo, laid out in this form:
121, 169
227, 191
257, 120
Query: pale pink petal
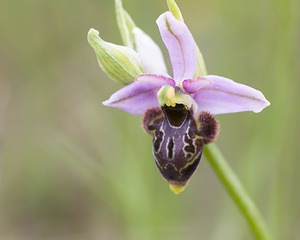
180, 44
194, 85
149, 53
140, 95
227, 96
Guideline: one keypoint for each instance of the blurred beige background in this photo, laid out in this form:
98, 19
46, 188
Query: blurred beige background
74, 169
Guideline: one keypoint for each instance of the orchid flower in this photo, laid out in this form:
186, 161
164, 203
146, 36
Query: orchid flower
178, 111
210, 93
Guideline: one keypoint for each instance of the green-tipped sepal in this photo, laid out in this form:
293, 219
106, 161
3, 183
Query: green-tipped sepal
125, 24
173, 7
148, 51
200, 67
120, 63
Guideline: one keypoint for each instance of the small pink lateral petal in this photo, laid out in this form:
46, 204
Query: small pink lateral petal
227, 96
140, 95
194, 85
180, 44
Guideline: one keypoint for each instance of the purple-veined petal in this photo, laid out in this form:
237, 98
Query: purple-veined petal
194, 85
140, 95
180, 44
150, 54
227, 96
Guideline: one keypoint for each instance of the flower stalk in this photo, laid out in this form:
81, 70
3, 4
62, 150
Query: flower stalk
237, 192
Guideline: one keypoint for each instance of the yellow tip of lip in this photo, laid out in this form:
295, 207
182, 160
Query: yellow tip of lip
177, 189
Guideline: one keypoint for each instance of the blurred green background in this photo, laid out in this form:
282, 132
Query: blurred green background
74, 169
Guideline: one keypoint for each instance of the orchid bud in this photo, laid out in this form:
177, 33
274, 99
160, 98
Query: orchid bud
120, 63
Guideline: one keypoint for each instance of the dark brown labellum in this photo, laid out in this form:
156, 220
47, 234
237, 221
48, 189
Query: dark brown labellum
178, 140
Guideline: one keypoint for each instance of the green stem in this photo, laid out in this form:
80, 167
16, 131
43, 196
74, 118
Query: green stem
237, 192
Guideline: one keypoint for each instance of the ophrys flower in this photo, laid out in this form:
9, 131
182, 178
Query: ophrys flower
178, 110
